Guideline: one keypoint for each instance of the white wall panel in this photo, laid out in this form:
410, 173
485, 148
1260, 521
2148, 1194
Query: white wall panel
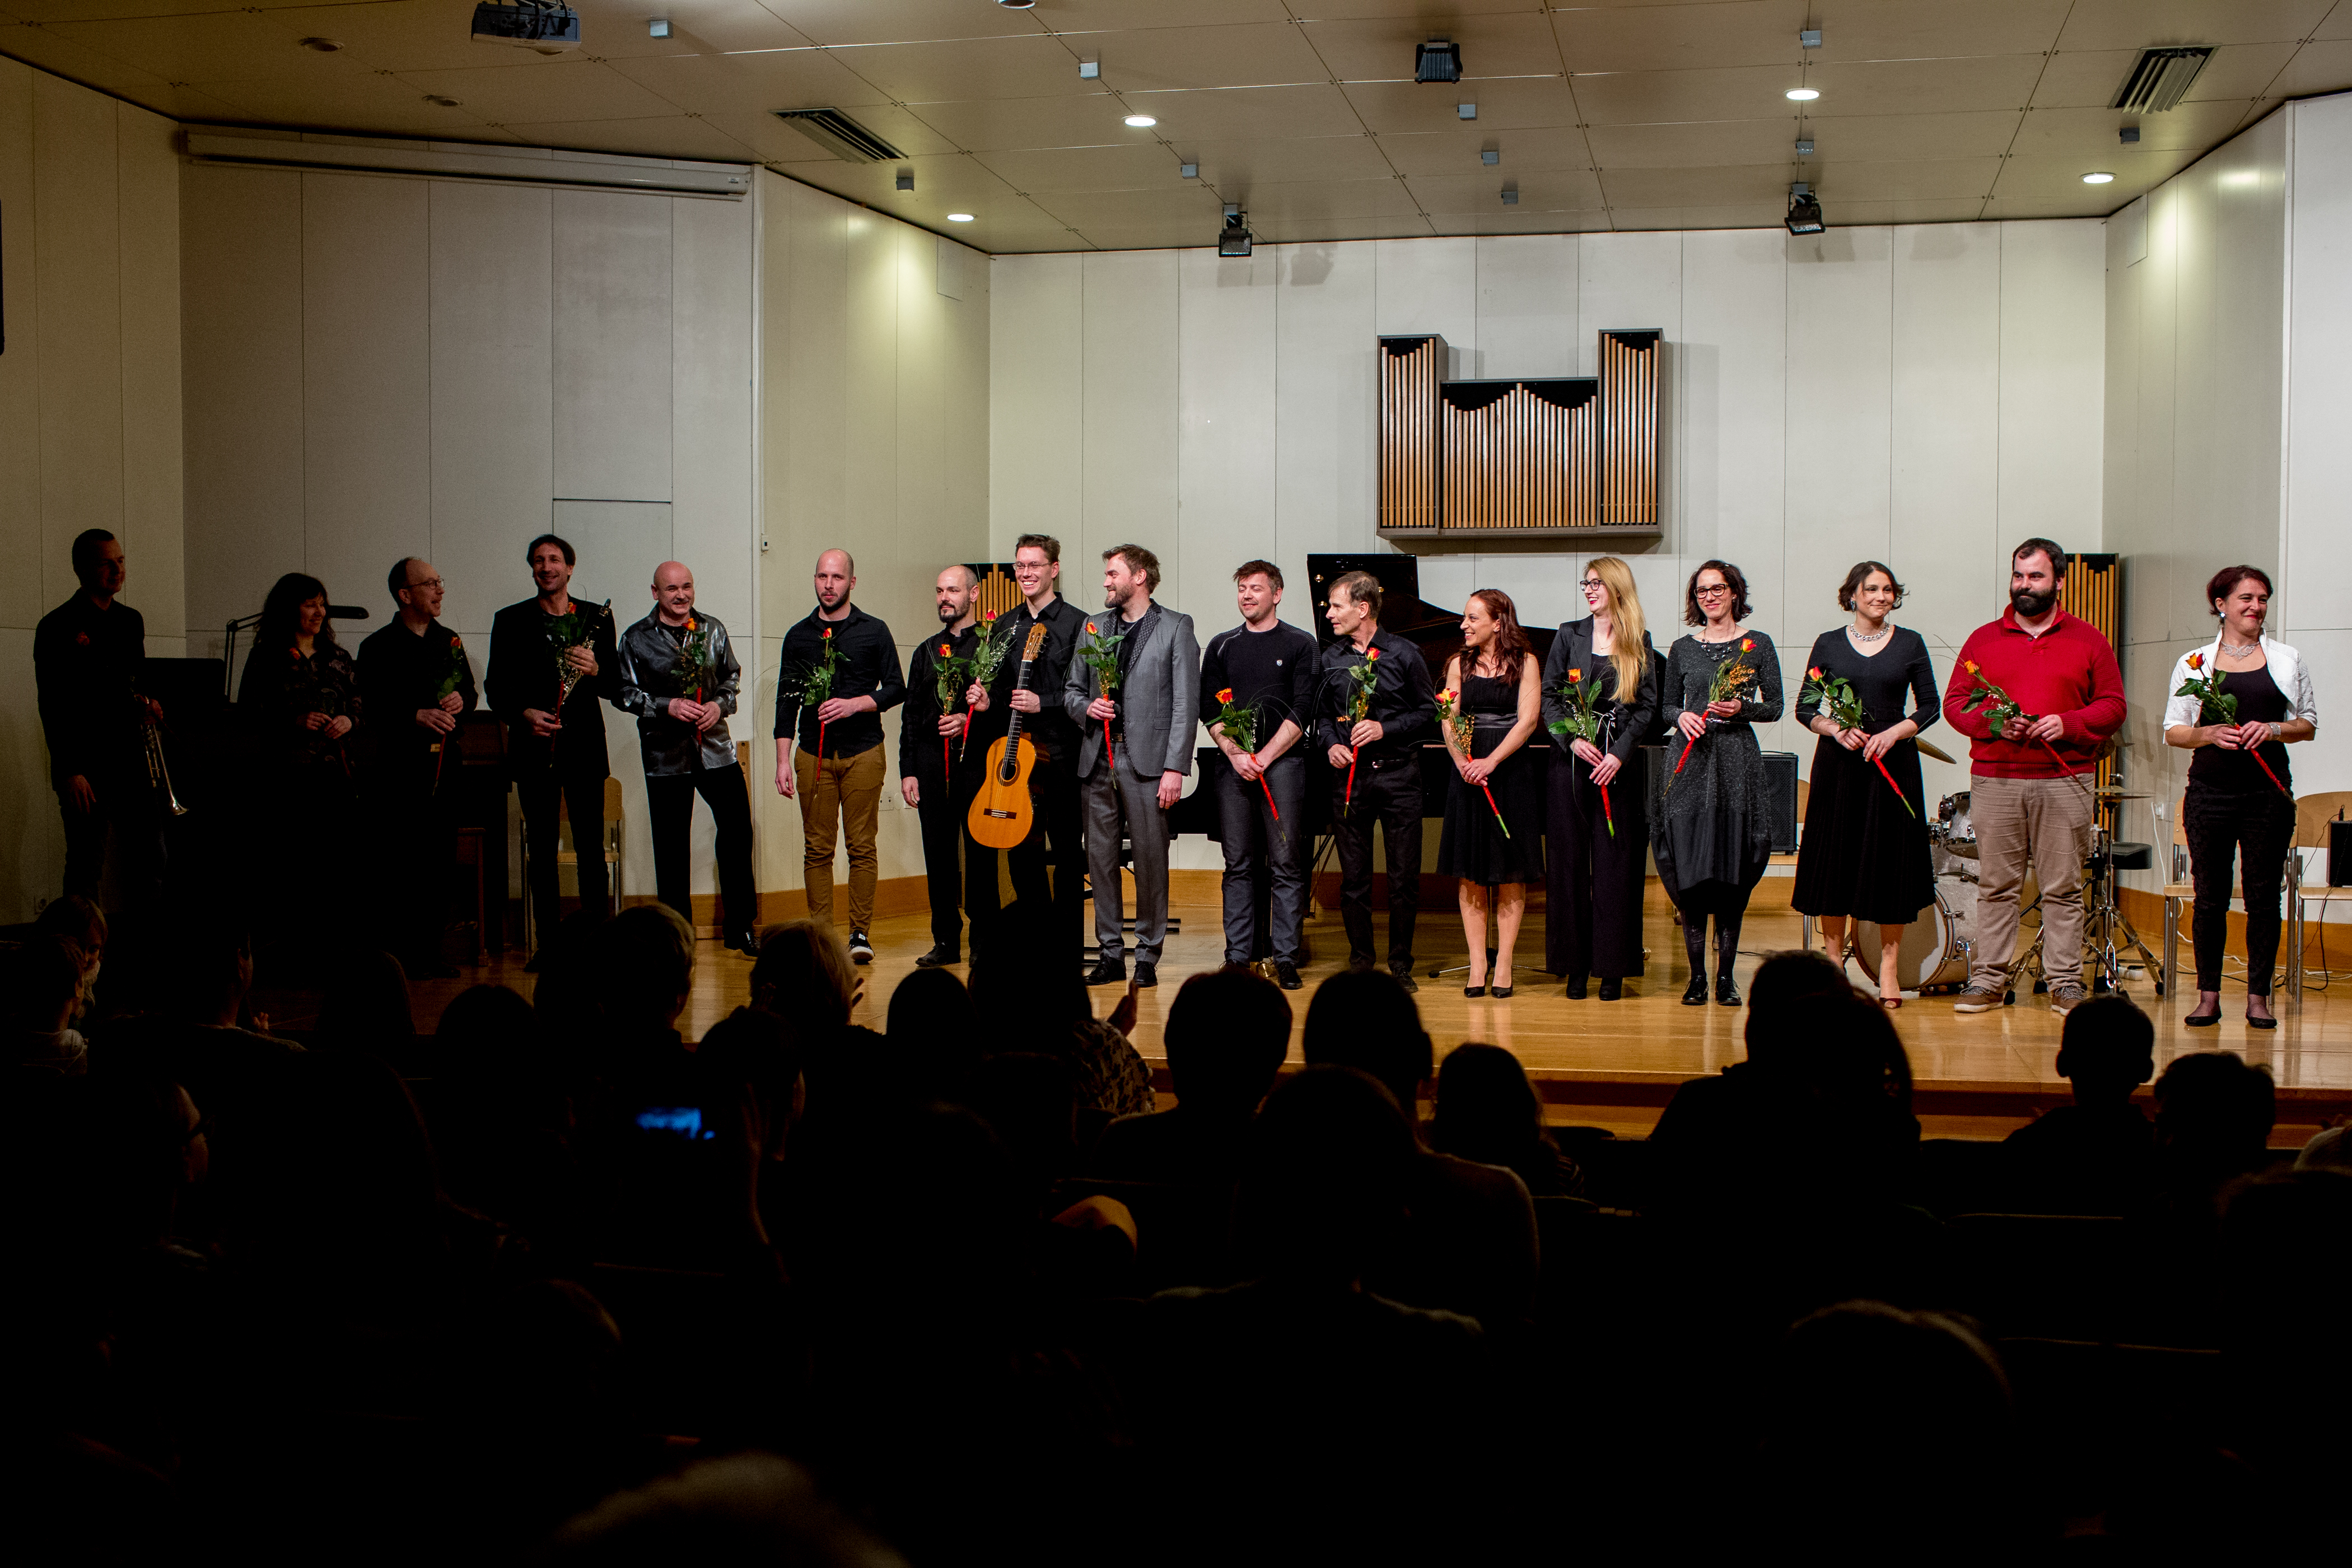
1035, 394
711, 403
32, 838
869, 391
148, 203
1326, 410
2053, 318
493, 397
22, 590
1430, 286
1527, 322
2317, 591
1839, 406
805, 319
1228, 356
1131, 415
366, 379
612, 345
1949, 371
622, 542
75, 290
2145, 532
1730, 371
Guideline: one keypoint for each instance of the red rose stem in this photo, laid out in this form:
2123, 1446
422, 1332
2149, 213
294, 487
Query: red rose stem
2266, 766
1880, 763
1495, 809
1609, 811
1685, 756
1350, 797
1269, 797
1108, 749
946, 767
820, 742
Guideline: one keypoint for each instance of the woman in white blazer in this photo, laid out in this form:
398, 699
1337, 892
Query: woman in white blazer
2240, 801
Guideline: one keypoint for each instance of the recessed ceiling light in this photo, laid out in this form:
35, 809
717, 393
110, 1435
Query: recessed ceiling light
445, 103
959, 218
2098, 179
322, 45
1142, 122
1803, 94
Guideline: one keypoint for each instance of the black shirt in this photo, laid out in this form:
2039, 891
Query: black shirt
281, 689
85, 664
1880, 681
919, 726
1404, 702
2260, 702
524, 674
400, 672
1276, 669
1050, 729
866, 664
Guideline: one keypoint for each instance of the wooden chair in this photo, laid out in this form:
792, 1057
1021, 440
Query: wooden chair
2178, 890
2312, 815
609, 835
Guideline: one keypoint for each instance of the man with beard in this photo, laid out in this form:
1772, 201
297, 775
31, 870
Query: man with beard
2030, 772
931, 777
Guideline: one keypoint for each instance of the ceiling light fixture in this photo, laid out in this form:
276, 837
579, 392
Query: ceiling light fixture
959, 218
321, 46
1142, 122
2128, 135
1235, 238
1804, 146
1510, 196
1805, 210
1466, 111
2100, 178
2160, 77
1801, 94
436, 99
658, 28
1188, 171
1810, 38
1016, 5
1090, 70
1490, 156
542, 26
1439, 59
906, 181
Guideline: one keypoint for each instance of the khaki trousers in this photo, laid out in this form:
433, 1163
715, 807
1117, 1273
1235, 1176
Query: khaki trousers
2048, 823
840, 792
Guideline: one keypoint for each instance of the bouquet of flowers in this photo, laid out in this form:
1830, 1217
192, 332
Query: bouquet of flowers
1581, 723
451, 678
1101, 651
2206, 686
576, 627
813, 683
1836, 694
987, 656
1366, 675
1459, 726
1730, 676
1240, 726
2000, 710
954, 674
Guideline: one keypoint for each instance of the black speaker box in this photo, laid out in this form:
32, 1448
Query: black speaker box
2339, 853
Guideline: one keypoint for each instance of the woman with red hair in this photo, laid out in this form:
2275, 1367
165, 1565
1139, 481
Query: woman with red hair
1492, 836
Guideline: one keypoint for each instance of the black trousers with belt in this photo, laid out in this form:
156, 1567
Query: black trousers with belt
538, 790
1388, 792
2256, 829
415, 824
1593, 880
1048, 869
669, 800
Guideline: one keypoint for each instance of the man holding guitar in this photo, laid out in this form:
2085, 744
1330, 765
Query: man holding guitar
1052, 734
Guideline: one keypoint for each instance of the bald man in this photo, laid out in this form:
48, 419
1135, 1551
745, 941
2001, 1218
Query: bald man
836, 771
937, 772
680, 676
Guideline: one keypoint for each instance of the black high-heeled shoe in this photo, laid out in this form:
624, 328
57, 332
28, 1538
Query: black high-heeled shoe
1695, 994
1576, 987
1474, 991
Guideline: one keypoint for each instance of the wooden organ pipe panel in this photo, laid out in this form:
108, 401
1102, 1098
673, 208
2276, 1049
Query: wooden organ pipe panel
1410, 372
1629, 430
2092, 592
1516, 454
999, 594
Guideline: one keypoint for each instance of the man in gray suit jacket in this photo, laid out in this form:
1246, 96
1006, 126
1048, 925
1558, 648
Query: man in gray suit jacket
1149, 728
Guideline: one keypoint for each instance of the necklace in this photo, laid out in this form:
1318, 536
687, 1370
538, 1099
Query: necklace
1878, 635
2240, 652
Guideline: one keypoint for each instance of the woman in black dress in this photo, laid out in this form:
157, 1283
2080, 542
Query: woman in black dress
1498, 687
299, 703
1865, 852
2234, 809
1595, 876
1713, 833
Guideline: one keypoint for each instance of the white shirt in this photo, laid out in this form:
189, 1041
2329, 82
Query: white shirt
2288, 673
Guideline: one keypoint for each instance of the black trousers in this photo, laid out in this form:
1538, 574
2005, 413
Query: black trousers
417, 830
1390, 796
1254, 842
670, 800
1593, 882
942, 811
2257, 829
539, 790
128, 805
1048, 868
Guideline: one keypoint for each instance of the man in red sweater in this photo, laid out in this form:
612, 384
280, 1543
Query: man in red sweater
2030, 780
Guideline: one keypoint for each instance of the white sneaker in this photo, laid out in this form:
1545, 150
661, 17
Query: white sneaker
860, 950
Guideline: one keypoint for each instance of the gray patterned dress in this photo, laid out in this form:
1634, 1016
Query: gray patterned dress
1712, 835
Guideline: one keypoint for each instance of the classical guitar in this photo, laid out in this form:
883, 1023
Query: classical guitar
1000, 815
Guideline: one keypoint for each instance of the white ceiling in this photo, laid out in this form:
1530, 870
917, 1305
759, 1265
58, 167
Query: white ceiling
1639, 114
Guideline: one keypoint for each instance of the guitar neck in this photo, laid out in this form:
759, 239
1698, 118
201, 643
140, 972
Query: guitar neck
1012, 730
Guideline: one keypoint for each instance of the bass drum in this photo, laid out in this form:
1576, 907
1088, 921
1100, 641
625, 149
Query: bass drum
1935, 947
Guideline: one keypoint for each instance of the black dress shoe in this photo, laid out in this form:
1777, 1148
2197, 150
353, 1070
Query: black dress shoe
1106, 973
1146, 975
1576, 987
941, 954
1286, 974
1695, 994
2203, 1020
1725, 991
1611, 990
746, 942
2254, 1022
1402, 970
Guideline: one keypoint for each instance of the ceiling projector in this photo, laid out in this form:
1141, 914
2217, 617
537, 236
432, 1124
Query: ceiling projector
537, 24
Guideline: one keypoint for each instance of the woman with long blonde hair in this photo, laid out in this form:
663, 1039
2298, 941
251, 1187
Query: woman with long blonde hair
1492, 836
1599, 841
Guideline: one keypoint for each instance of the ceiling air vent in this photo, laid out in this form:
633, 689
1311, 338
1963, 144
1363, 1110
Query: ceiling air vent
840, 135
2160, 77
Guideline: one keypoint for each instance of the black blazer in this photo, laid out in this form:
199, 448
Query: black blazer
523, 675
1572, 648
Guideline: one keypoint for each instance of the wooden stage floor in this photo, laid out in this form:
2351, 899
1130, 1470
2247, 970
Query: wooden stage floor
1614, 1064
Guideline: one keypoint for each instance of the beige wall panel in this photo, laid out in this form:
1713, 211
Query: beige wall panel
367, 375
1227, 408
1130, 368
2318, 545
711, 396
32, 838
1035, 393
1430, 286
1636, 280
1730, 375
492, 399
612, 346
620, 542
77, 319
23, 592
806, 473
1326, 404
1838, 479
1527, 305
2052, 352
867, 386
895, 580
241, 339
148, 173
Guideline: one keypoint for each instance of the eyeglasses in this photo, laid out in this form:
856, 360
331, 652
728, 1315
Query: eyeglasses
1592, 583
1717, 592
428, 583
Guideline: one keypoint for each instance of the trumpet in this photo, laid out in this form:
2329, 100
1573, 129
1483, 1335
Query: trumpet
159, 770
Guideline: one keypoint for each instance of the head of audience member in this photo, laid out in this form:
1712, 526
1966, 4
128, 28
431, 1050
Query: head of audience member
1323, 1188
296, 607
2213, 1120
483, 1026
1227, 1035
931, 1026
1887, 1430
644, 959
366, 1007
746, 1063
211, 963
81, 923
1486, 1110
803, 975
1782, 982
1364, 1019
2107, 1049
751, 1508
40, 991
1030, 1099
132, 1143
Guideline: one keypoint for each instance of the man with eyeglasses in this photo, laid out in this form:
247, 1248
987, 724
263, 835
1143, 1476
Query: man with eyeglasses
416, 683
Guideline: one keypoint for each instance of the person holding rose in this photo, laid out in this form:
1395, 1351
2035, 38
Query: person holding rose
1492, 840
2239, 803
298, 704
1865, 852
